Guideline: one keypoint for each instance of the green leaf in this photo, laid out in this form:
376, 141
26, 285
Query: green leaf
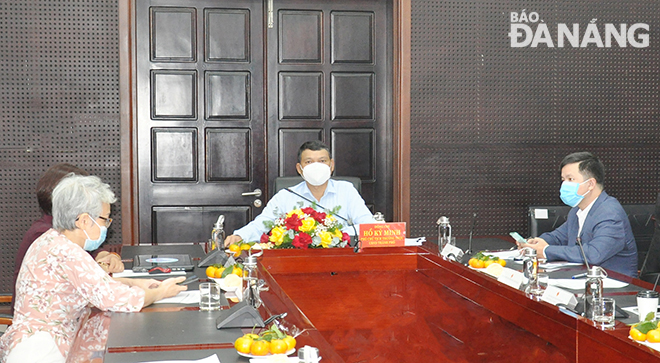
646, 326
650, 316
226, 272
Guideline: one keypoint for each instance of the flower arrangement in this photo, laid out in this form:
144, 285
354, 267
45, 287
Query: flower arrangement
305, 228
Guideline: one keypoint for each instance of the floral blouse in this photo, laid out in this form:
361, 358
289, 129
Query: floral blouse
57, 284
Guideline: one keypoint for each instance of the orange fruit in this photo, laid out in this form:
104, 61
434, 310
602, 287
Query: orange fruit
653, 336
218, 272
489, 262
236, 249
245, 246
278, 346
259, 347
502, 262
237, 271
243, 344
637, 335
290, 342
210, 271
479, 264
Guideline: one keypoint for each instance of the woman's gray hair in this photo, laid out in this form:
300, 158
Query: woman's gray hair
77, 194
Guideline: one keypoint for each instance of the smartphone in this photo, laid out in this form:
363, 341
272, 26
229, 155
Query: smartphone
518, 237
189, 280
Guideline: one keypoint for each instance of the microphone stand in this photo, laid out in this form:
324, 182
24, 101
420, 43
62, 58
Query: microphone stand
584, 256
357, 246
474, 223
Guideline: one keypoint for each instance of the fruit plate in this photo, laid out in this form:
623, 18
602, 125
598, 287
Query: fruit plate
655, 346
288, 352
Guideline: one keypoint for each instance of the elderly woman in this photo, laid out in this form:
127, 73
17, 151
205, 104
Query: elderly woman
59, 281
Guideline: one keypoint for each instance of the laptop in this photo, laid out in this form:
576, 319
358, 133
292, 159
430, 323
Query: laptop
144, 263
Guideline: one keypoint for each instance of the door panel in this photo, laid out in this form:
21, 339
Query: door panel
200, 119
329, 67
208, 70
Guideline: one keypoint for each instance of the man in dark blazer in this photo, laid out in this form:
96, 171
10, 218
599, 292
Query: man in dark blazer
597, 219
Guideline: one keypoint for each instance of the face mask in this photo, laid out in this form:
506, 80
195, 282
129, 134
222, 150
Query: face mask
316, 173
93, 244
569, 193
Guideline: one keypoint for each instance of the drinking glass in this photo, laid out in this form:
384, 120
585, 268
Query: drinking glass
604, 312
209, 296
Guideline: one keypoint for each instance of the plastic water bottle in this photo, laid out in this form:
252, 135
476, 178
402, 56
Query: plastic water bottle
593, 289
218, 233
444, 232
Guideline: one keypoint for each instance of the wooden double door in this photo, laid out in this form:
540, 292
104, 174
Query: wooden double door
227, 91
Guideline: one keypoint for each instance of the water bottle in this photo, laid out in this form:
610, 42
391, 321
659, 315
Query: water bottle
593, 289
218, 233
530, 266
444, 232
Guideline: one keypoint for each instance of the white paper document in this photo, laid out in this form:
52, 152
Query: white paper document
210, 359
505, 255
130, 273
578, 284
556, 265
415, 241
184, 297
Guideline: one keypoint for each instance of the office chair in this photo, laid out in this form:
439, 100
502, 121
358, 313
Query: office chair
5, 317
289, 181
651, 266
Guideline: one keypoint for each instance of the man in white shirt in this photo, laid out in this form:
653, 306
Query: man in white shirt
315, 165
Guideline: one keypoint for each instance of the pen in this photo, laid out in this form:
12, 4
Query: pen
579, 276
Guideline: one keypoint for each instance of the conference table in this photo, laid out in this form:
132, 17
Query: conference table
393, 304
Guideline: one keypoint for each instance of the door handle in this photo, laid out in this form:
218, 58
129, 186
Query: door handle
256, 193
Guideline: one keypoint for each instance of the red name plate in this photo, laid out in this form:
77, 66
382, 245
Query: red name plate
383, 234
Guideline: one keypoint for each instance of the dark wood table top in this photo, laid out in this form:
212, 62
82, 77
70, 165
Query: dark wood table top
393, 304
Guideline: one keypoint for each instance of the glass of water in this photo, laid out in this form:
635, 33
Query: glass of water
604, 312
209, 296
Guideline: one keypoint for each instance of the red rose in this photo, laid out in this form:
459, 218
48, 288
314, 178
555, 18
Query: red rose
309, 211
345, 237
319, 216
293, 222
264, 238
302, 240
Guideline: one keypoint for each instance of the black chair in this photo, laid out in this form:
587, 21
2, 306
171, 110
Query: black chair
650, 269
289, 181
546, 218
5, 316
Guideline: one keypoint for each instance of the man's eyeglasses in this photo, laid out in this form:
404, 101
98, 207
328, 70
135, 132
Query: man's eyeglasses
108, 221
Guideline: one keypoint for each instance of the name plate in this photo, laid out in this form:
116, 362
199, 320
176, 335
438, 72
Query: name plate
555, 295
511, 277
383, 234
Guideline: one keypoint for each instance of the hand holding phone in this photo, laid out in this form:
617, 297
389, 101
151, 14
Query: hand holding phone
518, 237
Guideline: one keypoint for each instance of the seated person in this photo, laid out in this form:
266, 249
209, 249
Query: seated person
111, 262
59, 281
597, 219
315, 165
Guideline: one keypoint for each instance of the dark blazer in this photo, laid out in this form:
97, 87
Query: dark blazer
606, 236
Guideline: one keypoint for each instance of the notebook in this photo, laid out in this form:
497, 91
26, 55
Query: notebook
143, 263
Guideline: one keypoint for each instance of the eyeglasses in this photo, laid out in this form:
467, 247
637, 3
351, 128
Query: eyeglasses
108, 221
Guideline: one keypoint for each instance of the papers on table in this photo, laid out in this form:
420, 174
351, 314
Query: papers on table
633, 309
184, 297
554, 266
415, 241
578, 284
505, 255
130, 273
210, 359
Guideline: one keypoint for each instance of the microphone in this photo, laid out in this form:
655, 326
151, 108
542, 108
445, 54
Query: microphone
584, 256
474, 223
358, 245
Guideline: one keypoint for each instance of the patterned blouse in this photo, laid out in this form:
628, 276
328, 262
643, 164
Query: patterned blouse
57, 284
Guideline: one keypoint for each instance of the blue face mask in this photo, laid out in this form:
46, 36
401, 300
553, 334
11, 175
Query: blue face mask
93, 244
569, 193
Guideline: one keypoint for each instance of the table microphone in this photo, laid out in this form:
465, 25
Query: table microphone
474, 223
358, 245
584, 256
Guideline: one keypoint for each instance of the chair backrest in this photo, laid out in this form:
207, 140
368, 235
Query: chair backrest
289, 181
651, 262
